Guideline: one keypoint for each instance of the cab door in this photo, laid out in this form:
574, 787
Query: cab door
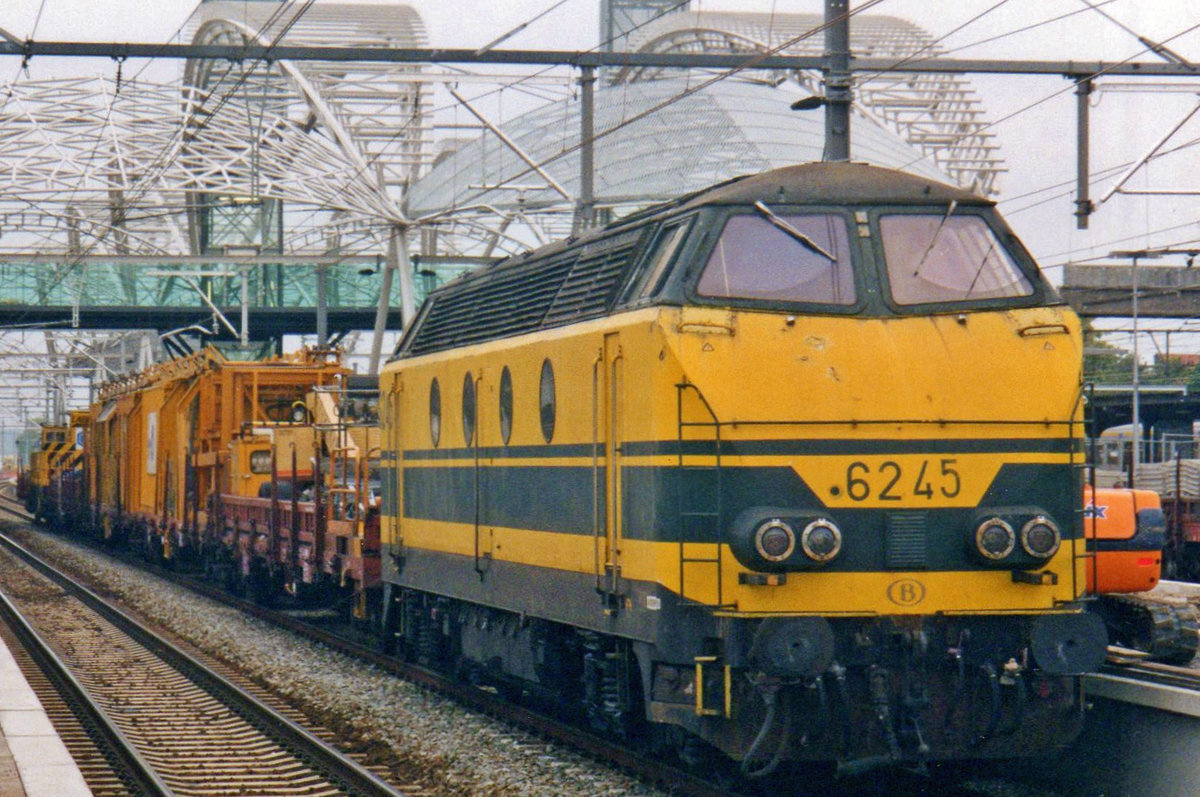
608, 425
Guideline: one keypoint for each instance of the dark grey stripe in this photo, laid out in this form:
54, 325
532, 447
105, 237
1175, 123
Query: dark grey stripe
790, 447
504, 452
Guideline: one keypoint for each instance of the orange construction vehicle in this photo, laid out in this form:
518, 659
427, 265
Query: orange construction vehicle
1126, 531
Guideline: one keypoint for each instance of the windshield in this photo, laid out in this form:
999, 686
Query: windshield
937, 258
777, 256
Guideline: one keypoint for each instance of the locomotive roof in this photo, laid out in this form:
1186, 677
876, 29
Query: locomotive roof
806, 183
577, 278
834, 184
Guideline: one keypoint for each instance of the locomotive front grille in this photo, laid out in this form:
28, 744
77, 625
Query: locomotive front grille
906, 548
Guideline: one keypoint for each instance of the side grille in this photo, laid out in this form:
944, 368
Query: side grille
590, 286
514, 298
906, 548
505, 302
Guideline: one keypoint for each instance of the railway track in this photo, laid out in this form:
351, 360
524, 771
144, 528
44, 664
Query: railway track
1152, 672
192, 730
677, 781
110, 768
674, 780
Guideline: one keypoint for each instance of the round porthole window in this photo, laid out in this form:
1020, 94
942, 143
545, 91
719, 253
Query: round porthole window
435, 413
506, 404
546, 400
468, 409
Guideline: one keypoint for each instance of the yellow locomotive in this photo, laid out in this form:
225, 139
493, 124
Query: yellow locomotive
59, 452
788, 468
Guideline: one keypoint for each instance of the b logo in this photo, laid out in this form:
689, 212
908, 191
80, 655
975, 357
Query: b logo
906, 592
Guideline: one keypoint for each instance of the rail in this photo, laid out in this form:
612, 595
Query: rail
123, 755
321, 757
681, 782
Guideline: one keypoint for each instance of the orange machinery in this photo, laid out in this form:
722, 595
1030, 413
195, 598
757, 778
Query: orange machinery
1126, 530
160, 440
311, 529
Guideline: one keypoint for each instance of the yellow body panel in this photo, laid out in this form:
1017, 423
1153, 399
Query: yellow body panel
1007, 376
891, 592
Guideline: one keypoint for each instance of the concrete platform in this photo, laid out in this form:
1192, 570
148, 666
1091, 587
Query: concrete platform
33, 760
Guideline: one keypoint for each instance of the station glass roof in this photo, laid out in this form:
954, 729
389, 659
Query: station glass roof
733, 127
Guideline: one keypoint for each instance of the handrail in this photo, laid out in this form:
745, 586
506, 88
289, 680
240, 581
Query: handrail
612, 565
715, 424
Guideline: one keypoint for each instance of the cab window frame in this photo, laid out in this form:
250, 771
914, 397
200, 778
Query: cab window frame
1043, 292
714, 227
649, 277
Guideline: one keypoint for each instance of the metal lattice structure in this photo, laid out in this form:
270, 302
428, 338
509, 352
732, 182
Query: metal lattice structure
653, 147
940, 114
656, 139
103, 175
109, 166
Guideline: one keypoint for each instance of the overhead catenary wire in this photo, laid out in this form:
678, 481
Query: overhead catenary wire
1149, 47
1023, 29
565, 151
1059, 92
916, 56
1158, 48
1093, 180
227, 95
749, 63
32, 33
514, 31
772, 51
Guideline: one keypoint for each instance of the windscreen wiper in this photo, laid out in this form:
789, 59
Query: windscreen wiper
979, 271
805, 241
932, 241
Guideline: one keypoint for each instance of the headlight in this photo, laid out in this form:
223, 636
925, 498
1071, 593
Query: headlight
995, 539
775, 540
821, 540
1040, 537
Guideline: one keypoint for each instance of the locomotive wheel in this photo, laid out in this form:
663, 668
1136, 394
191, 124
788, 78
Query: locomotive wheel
258, 583
700, 757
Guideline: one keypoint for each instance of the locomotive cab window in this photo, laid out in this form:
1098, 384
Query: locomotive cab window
948, 257
781, 256
667, 243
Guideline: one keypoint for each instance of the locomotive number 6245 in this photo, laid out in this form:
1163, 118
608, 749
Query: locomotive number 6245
892, 481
